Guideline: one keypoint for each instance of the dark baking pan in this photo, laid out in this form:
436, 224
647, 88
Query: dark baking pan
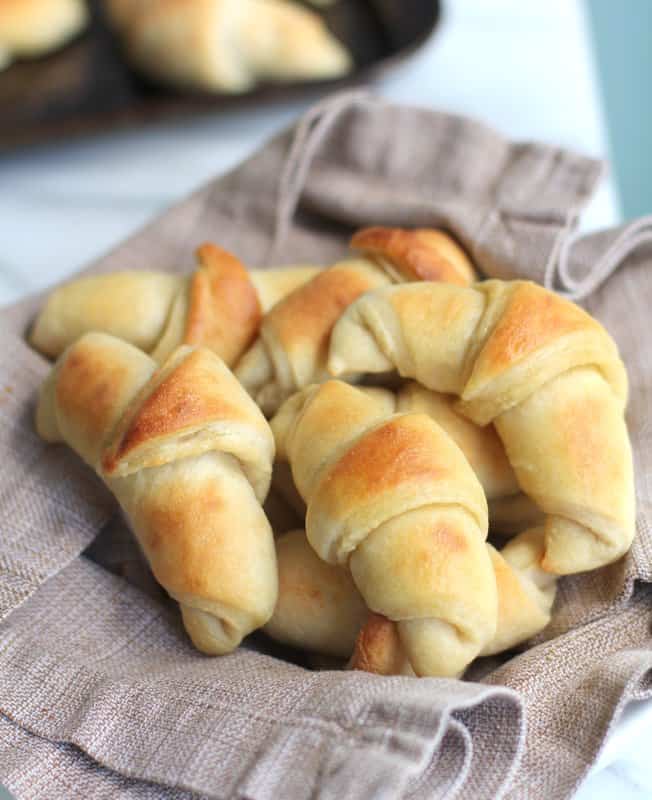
87, 86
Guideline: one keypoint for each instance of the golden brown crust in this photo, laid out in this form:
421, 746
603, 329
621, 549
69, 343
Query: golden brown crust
409, 460
378, 648
87, 392
525, 599
204, 534
396, 452
532, 320
276, 283
307, 315
93, 387
395, 501
291, 351
188, 456
190, 395
481, 446
220, 305
223, 312
133, 306
510, 511
418, 255
328, 414
542, 370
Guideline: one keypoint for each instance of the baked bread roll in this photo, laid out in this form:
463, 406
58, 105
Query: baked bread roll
292, 346
542, 370
315, 606
189, 457
526, 595
226, 45
318, 607
510, 511
219, 306
395, 500
30, 28
526, 592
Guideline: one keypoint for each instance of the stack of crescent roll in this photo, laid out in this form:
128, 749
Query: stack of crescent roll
440, 449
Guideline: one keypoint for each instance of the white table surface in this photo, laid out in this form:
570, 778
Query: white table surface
526, 68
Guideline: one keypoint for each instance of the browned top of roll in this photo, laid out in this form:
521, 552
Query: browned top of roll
419, 255
224, 312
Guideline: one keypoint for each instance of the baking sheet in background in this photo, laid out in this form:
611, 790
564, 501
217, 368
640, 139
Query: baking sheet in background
88, 86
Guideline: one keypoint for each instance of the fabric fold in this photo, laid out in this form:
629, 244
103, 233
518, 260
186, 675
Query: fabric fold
141, 702
51, 505
33, 768
575, 688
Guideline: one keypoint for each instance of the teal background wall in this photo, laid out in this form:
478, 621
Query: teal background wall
622, 38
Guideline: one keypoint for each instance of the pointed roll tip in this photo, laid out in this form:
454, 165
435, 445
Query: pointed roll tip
426, 254
336, 61
319, 54
209, 254
326, 59
581, 549
378, 648
209, 633
304, 48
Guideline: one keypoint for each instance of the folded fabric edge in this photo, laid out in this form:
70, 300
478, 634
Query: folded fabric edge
339, 726
32, 768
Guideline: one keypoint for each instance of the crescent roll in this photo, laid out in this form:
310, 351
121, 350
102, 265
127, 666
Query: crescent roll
30, 28
318, 607
220, 306
542, 370
510, 510
395, 500
526, 595
189, 457
226, 45
292, 346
